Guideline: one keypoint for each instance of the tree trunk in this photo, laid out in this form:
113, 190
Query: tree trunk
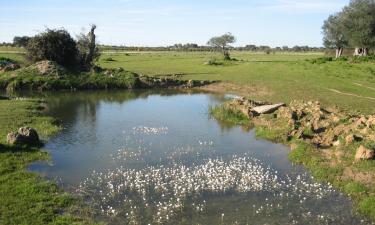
92, 47
339, 52
365, 52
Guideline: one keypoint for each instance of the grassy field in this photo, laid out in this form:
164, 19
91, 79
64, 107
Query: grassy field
279, 77
274, 77
25, 198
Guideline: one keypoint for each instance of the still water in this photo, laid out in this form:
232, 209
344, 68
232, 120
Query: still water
157, 157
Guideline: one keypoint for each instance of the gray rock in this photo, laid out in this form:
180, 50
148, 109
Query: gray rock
265, 109
24, 136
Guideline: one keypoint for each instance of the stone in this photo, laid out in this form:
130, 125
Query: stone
24, 136
266, 109
364, 153
48, 68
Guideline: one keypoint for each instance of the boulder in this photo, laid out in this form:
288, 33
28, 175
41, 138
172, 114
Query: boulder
24, 136
364, 153
266, 109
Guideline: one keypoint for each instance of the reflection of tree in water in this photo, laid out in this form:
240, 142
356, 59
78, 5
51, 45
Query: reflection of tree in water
67, 106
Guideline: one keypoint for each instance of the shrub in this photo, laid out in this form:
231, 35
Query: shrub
54, 45
321, 60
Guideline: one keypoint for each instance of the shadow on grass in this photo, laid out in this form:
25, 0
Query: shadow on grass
20, 148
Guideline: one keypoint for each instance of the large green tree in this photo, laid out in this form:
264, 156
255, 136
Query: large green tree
222, 42
359, 25
334, 34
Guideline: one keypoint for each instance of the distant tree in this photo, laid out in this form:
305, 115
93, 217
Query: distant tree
285, 48
88, 49
334, 34
359, 25
56, 45
251, 47
223, 42
21, 41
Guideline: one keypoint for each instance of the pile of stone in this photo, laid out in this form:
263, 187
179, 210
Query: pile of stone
24, 136
47, 68
253, 108
158, 82
308, 121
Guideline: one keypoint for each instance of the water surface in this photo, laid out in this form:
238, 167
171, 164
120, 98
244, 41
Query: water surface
157, 157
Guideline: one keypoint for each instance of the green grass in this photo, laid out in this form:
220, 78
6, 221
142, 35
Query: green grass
27, 78
232, 117
285, 76
25, 198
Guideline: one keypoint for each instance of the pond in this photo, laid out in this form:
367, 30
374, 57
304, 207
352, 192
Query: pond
157, 157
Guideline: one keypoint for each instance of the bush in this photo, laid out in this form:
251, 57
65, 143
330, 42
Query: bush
54, 45
321, 60
360, 59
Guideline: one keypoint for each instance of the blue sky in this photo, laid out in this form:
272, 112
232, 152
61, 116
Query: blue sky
165, 22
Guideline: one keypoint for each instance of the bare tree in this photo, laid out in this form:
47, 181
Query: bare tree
88, 49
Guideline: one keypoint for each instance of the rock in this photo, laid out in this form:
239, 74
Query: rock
24, 136
336, 143
48, 68
349, 139
265, 109
364, 153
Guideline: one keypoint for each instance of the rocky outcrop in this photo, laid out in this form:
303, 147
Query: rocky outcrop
157, 82
310, 122
24, 136
364, 153
47, 68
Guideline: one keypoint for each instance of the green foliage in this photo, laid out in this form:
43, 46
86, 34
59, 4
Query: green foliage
359, 23
321, 60
222, 42
21, 41
334, 33
226, 114
54, 45
362, 59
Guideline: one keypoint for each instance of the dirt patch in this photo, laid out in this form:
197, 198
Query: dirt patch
237, 89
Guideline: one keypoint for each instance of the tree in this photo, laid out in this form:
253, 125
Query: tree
359, 25
222, 42
55, 45
334, 34
21, 41
88, 50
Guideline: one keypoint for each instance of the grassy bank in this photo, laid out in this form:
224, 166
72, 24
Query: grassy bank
335, 165
25, 197
28, 78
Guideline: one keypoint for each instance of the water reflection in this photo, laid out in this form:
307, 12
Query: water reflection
156, 157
